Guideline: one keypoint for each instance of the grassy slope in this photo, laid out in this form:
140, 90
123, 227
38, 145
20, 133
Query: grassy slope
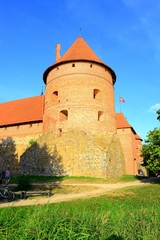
132, 213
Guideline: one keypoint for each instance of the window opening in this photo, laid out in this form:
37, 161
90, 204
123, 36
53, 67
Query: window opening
100, 116
63, 116
96, 94
55, 96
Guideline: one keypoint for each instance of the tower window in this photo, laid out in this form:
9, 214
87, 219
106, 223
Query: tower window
96, 94
55, 96
63, 115
73, 65
100, 116
55, 93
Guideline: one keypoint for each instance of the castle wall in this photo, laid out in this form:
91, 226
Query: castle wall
21, 130
79, 94
74, 154
129, 146
12, 148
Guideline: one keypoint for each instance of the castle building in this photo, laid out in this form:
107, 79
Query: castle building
76, 116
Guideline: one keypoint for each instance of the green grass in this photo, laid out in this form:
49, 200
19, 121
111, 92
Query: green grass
132, 213
35, 179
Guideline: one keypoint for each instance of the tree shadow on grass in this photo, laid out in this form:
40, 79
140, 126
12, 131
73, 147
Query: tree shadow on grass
145, 179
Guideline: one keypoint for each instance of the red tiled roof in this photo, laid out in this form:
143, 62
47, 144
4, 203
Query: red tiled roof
79, 51
22, 111
121, 121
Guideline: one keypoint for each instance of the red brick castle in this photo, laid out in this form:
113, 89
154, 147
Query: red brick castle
77, 116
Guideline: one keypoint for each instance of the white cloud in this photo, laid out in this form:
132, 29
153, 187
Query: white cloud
154, 108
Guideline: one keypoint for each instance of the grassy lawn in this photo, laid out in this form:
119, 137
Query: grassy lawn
132, 213
35, 179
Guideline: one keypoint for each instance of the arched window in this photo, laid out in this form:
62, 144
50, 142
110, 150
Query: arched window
63, 115
96, 94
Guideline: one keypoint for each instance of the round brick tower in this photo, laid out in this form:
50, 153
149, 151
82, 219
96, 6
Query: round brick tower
79, 92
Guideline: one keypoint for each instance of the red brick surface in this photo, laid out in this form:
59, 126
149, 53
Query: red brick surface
79, 95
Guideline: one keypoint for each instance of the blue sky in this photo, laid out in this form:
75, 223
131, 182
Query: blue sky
125, 34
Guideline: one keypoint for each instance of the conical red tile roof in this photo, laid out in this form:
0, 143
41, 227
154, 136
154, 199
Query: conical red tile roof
79, 51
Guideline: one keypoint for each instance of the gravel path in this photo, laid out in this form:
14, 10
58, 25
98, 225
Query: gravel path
100, 189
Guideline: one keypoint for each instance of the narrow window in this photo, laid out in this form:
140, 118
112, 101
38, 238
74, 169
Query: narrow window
73, 65
90, 65
96, 94
55, 96
63, 116
100, 116
55, 93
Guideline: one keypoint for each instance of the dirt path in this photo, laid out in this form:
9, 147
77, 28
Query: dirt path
97, 190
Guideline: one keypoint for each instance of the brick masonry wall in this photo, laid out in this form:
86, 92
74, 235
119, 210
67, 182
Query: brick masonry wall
129, 146
11, 149
85, 91
75, 153
21, 130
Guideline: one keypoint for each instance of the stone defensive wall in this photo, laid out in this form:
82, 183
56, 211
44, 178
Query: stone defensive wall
74, 153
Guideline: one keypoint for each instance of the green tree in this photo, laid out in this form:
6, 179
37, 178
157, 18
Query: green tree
151, 151
158, 117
